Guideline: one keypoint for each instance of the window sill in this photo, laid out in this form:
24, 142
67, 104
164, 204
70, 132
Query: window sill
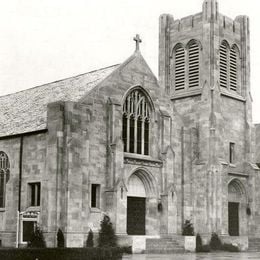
233, 94
95, 210
137, 155
186, 93
232, 165
33, 208
2, 209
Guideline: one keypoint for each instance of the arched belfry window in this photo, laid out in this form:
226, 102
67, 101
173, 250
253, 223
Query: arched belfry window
223, 52
186, 64
194, 58
136, 123
179, 67
233, 67
229, 66
4, 176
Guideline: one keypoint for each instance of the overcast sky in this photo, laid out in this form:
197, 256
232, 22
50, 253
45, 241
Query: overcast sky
46, 40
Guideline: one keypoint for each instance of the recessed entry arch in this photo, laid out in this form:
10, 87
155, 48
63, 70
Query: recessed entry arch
141, 188
237, 203
144, 177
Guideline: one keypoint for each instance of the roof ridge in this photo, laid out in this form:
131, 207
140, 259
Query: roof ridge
59, 80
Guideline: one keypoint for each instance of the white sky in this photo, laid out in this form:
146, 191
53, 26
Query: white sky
46, 40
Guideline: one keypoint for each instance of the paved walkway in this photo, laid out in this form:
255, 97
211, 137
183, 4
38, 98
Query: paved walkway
201, 256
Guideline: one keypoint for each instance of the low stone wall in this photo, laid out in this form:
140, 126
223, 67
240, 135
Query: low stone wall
138, 243
240, 241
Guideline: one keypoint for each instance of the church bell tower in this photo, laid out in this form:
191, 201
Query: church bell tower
204, 67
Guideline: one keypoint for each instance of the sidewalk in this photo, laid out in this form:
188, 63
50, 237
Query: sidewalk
201, 256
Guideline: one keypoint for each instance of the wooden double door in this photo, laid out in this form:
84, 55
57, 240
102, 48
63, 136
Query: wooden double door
136, 215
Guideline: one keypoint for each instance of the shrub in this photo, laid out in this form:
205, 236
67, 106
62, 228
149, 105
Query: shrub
107, 237
37, 239
229, 248
60, 239
90, 242
198, 241
61, 253
215, 242
188, 229
126, 249
203, 248
199, 245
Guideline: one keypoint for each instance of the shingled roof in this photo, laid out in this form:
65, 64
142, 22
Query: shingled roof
26, 111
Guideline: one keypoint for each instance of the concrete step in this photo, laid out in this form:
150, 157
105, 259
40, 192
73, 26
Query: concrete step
168, 251
254, 244
164, 245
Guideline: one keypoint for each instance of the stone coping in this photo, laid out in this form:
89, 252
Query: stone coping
144, 160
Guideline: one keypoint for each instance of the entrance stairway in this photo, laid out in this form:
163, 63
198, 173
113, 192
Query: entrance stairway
165, 245
254, 244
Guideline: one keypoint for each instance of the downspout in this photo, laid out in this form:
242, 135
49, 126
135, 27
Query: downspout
20, 173
19, 190
182, 176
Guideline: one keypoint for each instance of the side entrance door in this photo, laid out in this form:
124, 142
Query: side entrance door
135, 216
233, 218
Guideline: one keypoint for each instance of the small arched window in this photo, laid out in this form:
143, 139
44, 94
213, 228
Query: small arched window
223, 52
4, 176
233, 67
136, 123
179, 67
194, 57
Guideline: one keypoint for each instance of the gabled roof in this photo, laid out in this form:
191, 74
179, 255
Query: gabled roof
26, 111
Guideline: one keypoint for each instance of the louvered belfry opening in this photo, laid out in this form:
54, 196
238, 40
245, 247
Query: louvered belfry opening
179, 68
223, 65
194, 65
136, 123
233, 68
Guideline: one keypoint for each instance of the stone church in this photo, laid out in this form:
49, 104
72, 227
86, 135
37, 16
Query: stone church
148, 153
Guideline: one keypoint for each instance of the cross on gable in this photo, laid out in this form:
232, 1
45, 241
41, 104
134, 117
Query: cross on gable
137, 40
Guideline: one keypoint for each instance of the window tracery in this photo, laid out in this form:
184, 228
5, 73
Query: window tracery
136, 123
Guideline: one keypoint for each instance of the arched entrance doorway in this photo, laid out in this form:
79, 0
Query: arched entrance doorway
236, 207
140, 188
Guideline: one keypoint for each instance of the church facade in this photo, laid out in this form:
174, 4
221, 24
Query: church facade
148, 153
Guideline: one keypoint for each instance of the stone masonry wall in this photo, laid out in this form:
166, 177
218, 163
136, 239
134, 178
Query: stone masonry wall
106, 135
33, 169
8, 215
257, 143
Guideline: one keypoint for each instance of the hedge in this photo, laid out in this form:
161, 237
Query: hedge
61, 253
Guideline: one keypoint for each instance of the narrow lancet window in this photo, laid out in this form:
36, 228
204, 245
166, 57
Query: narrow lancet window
179, 68
233, 68
194, 57
4, 176
223, 64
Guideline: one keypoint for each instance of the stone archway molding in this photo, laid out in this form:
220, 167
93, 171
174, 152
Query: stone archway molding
239, 187
148, 181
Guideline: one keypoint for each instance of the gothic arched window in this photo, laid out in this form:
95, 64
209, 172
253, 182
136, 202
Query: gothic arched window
229, 66
233, 68
179, 67
223, 52
136, 123
194, 66
4, 176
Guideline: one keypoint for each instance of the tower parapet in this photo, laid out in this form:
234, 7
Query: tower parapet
219, 39
210, 10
